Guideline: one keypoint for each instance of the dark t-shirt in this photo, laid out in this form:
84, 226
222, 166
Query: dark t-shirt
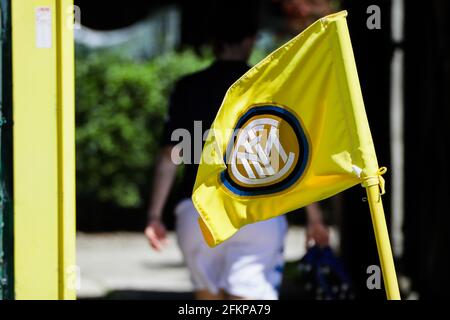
197, 97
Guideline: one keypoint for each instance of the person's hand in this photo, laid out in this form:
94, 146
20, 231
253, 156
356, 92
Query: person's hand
156, 234
317, 233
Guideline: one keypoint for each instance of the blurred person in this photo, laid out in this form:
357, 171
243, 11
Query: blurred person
250, 264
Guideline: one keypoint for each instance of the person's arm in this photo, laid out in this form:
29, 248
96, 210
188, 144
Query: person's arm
316, 230
165, 172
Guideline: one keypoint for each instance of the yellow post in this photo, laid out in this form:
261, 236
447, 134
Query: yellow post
43, 143
382, 239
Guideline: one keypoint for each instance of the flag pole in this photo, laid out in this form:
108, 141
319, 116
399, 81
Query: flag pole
373, 186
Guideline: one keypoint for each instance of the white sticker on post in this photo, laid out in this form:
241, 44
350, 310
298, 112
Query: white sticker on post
43, 27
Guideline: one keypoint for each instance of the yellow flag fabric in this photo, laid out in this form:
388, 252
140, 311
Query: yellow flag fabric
291, 131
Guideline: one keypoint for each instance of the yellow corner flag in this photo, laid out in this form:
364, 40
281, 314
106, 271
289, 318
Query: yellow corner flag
306, 98
291, 131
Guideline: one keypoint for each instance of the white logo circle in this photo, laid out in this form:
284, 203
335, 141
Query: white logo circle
260, 154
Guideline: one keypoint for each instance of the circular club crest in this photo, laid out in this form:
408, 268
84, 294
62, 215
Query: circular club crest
267, 153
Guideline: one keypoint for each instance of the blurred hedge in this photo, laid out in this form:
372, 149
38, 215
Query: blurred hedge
120, 108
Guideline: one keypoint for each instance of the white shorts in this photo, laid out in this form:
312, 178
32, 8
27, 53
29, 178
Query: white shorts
248, 265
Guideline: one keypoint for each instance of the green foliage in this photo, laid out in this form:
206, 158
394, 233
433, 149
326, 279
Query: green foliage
120, 108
